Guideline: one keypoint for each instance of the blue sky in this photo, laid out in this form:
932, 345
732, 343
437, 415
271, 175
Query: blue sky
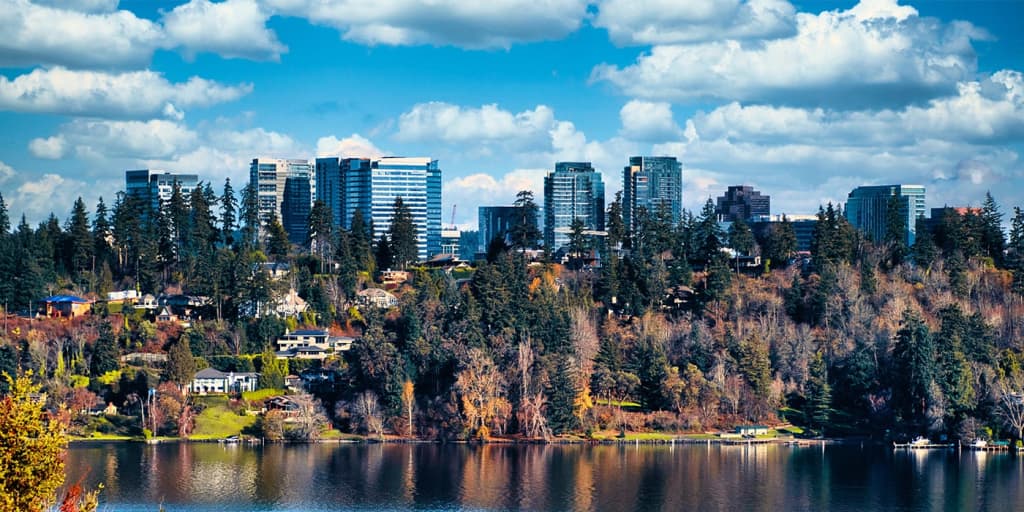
804, 100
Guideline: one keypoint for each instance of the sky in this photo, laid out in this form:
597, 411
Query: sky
804, 100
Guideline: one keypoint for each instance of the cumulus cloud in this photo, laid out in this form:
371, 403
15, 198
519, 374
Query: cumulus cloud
6, 172
496, 24
642, 22
877, 54
135, 94
36, 197
648, 121
353, 146
50, 148
444, 122
80, 34
81, 5
233, 28
491, 189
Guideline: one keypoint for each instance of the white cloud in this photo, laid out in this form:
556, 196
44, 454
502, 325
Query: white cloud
82, 34
233, 28
648, 121
115, 95
353, 146
50, 148
444, 122
81, 5
36, 198
494, 24
490, 189
877, 54
6, 172
99, 139
631, 22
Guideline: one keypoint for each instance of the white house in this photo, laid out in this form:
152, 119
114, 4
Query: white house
210, 380
377, 297
311, 344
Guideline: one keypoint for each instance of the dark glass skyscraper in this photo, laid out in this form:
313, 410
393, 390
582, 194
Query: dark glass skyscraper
866, 208
650, 182
573, 191
295, 208
742, 202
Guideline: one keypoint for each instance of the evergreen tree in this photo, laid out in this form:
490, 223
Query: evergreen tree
228, 213
741, 240
104, 352
818, 394
5, 218
616, 227
101, 234
383, 255
579, 242
177, 210
868, 280
708, 233
779, 244
992, 239
181, 364
320, 234
273, 371
956, 268
80, 239
1016, 250
914, 372
524, 232
403, 235
250, 217
277, 238
895, 239
562, 393
362, 241
924, 249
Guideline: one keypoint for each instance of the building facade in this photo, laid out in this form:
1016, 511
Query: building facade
742, 202
803, 227
866, 208
650, 183
371, 186
574, 190
493, 222
158, 185
271, 177
339, 194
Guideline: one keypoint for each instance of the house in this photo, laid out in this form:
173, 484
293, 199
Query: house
377, 297
148, 301
144, 358
293, 383
210, 380
66, 306
276, 270
283, 404
752, 430
393, 278
311, 344
123, 297
165, 315
291, 304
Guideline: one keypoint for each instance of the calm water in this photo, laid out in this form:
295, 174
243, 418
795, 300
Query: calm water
208, 477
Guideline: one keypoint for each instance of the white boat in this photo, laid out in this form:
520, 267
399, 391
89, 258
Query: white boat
920, 441
979, 443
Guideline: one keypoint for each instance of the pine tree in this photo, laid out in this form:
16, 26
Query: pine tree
228, 213
562, 393
402, 234
104, 352
524, 232
277, 238
80, 240
101, 234
579, 242
615, 225
362, 241
320, 237
924, 249
818, 394
273, 371
708, 233
895, 239
181, 364
5, 219
250, 217
780, 243
383, 255
741, 239
992, 239
914, 372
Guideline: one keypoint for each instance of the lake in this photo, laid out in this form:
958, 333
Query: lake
213, 477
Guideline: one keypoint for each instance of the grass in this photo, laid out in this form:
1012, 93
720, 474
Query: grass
99, 436
616, 403
261, 394
218, 422
792, 429
634, 436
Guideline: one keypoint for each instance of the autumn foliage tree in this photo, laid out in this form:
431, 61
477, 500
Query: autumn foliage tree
32, 444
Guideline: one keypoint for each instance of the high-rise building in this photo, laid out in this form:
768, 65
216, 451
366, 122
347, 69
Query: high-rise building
158, 185
271, 178
650, 182
574, 190
371, 186
494, 222
866, 208
331, 186
742, 202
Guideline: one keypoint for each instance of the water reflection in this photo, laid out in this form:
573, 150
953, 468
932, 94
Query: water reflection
429, 477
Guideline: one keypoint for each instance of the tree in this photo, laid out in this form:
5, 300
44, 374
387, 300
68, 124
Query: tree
32, 445
272, 371
615, 225
708, 235
895, 239
80, 240
320, 230
992, 239
579, 243
524, 232
924, 249
481, 391
383, 256
818, 394
741, 239
5, 219
228, 213
277, 238
250, 217
181, 366
779, 244
104, 352
1011, 407
914, 359
408, 405
367, 413
402, 234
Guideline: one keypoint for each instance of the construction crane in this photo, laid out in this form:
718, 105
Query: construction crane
452, 224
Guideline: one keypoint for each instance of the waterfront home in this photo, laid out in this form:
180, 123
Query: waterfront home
210, 380
752, 430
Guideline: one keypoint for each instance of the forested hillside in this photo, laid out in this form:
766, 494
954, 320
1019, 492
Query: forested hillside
658, 329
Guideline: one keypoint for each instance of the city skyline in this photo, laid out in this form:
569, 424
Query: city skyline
805, 100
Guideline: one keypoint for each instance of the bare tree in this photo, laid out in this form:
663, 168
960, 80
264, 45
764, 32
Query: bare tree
1011, 407
481, 389
309, 418
367, 412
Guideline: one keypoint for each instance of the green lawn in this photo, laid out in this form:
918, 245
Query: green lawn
636, 436
624, 403
261, 394
219, 422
